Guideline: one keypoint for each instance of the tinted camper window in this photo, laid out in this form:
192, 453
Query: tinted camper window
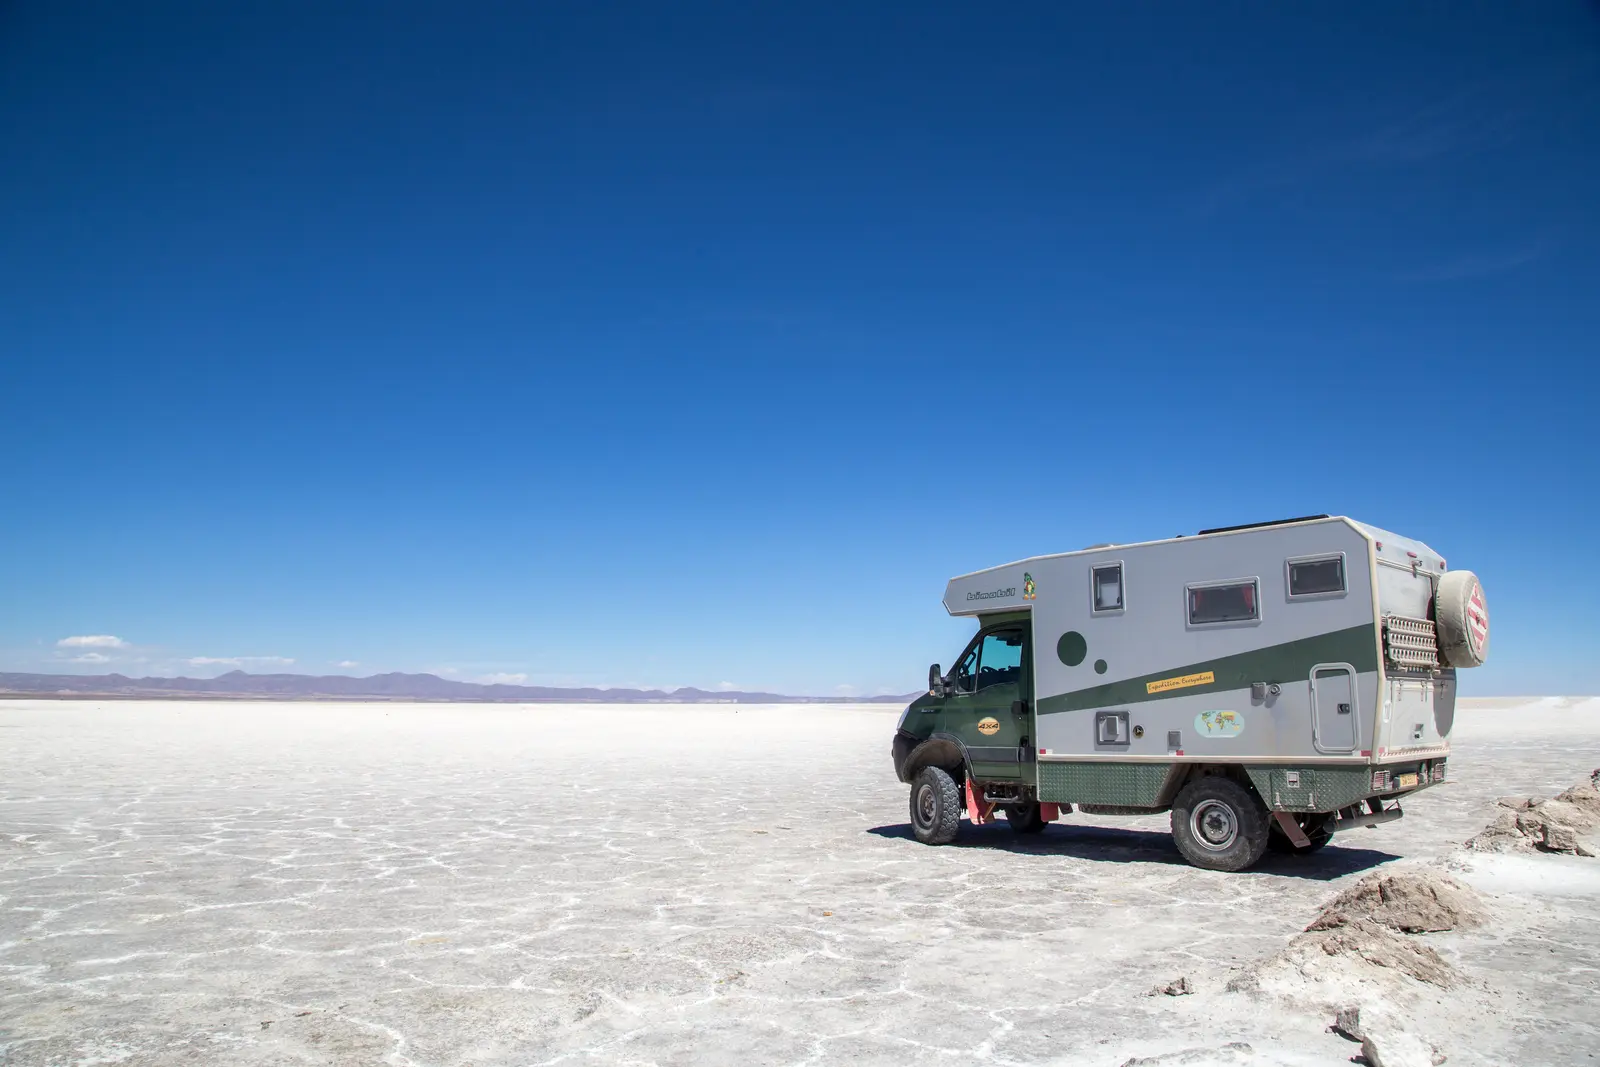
1108, 587
1233, 602
1309, 577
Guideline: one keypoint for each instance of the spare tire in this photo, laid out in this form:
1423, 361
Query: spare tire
1462, 617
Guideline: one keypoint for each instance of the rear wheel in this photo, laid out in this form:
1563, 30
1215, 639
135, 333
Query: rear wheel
1219, 825
935, 806
1318, 828
1025, 818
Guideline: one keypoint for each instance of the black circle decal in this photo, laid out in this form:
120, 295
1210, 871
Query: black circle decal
1099, 666
1072, 648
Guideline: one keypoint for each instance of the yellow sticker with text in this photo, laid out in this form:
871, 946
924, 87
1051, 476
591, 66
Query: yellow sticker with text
988, 726
1183, 682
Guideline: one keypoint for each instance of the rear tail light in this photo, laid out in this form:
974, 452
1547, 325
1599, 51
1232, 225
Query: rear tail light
1380, 779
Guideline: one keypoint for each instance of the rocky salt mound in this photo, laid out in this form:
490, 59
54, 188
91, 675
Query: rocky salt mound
1408, 902
1363, 950
1369, 957
1566, 823
1360, 945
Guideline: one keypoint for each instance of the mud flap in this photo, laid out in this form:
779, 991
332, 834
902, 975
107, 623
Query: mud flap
1049, 812
979, 810
1291, 829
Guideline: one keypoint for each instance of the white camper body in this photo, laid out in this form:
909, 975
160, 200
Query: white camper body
1311, 661
1283, 667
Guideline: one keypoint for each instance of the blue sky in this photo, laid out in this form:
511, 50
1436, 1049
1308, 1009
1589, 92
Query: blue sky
700, 344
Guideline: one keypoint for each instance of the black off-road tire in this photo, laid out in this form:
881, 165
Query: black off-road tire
1025, 818
1219, 825
1319, 828
935, 806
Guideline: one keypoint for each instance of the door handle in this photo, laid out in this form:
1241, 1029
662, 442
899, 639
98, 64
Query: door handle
1019, 707
1344, 709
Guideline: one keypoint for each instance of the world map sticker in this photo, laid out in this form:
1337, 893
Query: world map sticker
1219, 724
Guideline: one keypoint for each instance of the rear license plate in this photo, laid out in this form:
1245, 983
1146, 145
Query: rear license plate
1404, 781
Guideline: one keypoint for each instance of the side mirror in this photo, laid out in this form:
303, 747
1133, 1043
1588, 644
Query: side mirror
935, 681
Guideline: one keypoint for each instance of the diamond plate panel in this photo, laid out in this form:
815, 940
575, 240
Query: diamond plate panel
1318, 789
1123, 784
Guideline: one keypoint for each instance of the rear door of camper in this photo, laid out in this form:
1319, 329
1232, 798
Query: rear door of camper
1419, 696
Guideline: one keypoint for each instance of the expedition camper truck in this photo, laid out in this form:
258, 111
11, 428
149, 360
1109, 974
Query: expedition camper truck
1266, 684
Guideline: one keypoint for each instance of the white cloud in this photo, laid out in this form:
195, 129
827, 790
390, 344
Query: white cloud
91, 657
1478, 266
505, 678
92, 641
238, 661
347, 663
727, 686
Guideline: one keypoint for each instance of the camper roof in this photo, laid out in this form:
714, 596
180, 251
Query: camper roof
1389, 547
1224, 531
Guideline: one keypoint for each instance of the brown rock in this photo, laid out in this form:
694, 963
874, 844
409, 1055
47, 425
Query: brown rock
1564, 839
1585, 796
1347, 1023
1395, 1048
1409, 901
1362, 941
1558, 824
1178, 987
1381, 947
1502, 835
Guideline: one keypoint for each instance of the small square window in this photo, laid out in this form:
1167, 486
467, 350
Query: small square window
1311, 577
1224, 602
1107, 581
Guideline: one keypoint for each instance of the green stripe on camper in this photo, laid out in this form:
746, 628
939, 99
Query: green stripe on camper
1285, 663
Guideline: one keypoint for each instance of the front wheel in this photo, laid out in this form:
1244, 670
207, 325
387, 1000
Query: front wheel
935, 806
1219, 825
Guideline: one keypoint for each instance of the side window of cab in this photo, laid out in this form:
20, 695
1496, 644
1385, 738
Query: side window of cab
1000, 658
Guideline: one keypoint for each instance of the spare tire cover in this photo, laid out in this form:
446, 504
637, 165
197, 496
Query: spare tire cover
1462, 617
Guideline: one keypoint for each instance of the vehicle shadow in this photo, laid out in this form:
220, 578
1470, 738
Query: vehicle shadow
1108, 844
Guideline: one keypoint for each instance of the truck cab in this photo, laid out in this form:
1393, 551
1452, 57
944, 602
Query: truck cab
977, 717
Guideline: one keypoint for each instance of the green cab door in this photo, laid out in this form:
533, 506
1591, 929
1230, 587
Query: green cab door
988, 709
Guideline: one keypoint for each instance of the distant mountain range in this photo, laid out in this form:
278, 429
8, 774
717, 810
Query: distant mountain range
238, 685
